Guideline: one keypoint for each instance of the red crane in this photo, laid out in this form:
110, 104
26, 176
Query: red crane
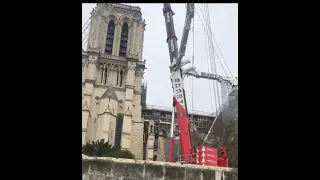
179, 100
188, 154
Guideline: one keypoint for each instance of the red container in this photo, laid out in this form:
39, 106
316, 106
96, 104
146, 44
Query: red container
207, 156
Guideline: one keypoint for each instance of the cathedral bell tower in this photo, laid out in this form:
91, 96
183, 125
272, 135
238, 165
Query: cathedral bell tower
112, 70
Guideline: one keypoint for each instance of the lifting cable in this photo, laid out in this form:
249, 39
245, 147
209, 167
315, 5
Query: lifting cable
213, 68
210, 40
213, 59
192, 104
188, 49
206, 21
208, 64
191, 79
219, 110
204, 140
209, 81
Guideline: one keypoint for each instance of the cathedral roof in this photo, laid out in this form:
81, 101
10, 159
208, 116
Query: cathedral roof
110, 94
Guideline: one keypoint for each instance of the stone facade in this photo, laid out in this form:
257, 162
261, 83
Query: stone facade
112, 71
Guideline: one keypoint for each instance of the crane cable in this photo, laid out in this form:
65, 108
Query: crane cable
209, 81
90, 34
192, 62
211, 56
219, 109
204, 140
206, 21
84, 36
207, 57
192, 65
191, 79
210, 41
213, 68
85, 24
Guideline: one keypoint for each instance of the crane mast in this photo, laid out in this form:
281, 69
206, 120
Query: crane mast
171, 35
179, 100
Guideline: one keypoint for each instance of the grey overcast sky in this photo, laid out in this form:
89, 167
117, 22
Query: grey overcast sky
224, 24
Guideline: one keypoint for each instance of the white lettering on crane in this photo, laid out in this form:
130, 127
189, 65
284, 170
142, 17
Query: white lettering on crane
177, 82
210, 155
171, 45
168, 17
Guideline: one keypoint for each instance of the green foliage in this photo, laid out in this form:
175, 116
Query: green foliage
100, 148
231, 142
122, 154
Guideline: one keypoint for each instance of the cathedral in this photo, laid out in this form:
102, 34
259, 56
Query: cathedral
113, 94
112, 73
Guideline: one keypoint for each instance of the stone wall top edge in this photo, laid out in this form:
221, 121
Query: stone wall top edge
121, 160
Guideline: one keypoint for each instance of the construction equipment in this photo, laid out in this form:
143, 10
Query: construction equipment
179, 99
191, 71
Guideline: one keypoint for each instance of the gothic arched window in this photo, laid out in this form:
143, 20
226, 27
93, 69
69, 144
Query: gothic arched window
121, 77
105, 75
124, 40
119, 124
102, 75
118, 74
110, 36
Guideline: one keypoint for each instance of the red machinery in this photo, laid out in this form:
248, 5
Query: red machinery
205, 155
223, 159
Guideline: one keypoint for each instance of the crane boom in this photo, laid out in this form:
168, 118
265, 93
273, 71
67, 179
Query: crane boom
191, 71
179, 100
185, 34
171, 34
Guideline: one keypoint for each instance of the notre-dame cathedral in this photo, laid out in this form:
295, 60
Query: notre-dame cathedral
113, 94
112, 71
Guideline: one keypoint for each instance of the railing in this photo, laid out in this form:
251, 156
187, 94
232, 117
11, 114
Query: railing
112, 57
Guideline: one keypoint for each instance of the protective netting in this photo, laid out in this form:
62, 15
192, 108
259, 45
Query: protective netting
230, 102
229, 122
